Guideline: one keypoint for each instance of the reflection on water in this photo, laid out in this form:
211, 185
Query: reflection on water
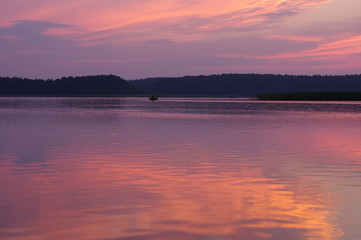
128, 168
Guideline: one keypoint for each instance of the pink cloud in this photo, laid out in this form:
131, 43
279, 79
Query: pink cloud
138, 38
336, 48
144, 20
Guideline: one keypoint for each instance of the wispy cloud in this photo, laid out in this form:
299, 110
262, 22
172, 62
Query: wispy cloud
142, 38
341, 47
143, 20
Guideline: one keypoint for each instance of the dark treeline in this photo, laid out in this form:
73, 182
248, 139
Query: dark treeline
247, 85
242, 85
101, 84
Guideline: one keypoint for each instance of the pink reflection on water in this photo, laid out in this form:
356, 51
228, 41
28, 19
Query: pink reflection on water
101, 196
198, 171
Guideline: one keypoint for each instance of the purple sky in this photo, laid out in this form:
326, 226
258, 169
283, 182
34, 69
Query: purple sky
148, 38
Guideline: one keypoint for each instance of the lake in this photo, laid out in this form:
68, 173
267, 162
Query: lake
179, 169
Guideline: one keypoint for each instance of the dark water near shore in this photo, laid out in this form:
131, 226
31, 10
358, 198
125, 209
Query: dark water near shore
189, 169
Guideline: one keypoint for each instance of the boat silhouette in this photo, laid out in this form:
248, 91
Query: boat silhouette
153, 98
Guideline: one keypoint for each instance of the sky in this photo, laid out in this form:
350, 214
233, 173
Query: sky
135, 39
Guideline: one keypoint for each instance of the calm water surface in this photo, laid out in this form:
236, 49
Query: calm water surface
179, 169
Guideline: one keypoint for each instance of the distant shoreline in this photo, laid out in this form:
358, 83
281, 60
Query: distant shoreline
311, 96
73, 95
222, 85
286, 96
122, 96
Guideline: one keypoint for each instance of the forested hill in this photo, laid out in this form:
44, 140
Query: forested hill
243, 85
247, 84
87, 85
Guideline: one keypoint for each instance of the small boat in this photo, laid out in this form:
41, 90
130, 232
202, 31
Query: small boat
153, 98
